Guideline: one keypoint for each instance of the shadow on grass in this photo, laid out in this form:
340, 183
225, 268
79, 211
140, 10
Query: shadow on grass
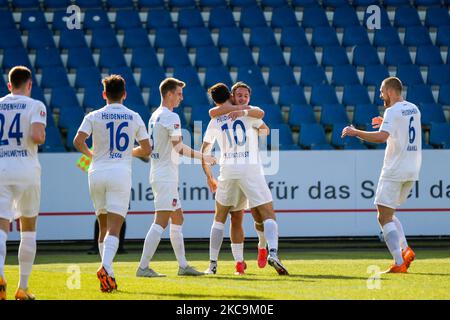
430, 274
191, 296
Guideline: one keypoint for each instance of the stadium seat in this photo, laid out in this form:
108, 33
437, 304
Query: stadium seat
314, 17
335, 3
252, 17
4, 89
293, 37
428, 3
188, 74
87, 77
285, 141
93, 99
355, 94
152, 76
428, 55
96, 19
444, 95
439, 75
199, 37
272, 114
36, 93
15, 57
60, 19
155, 98
126, 74
409, 74
159, 18
345, 17
230, 37
334, 56
273, 3
64, 98
10, 38
127, 19
119, 4
291, 95
53, 77
333, 113
72, 39
111, 57
397, 55
136, 38
167, 37
262, 37
242, 3
363, 114
443, 36
386, 36
189, 18
417, 36
375, 74
6, 20
436, 17
419, 94
355, 35
324, 36
344, 75
431, 112
271, 56
148, 4
143, 111
280, 76
251, 75
194, 96
396, 3
214, 75
212, 3
40, 38
300, 114
311, 134
89, 4
261, 94
33, 19
283, 17
312, 75
199, 113
69, 117
240, 56
180, 112
440, 135
144, 57
302, 56
53, 141
175, 57
406, 17
104, 38
322, 94
305, 3
207, 57
57, 4
376, 99
47, 57
181, 3
79, 57
134, 96
384, 21
344, 143
220, 18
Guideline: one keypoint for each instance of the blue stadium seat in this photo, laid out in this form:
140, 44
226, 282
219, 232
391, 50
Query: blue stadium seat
199, 37
190, 18
194, 96
375, 74
431, 112
93, 99
167, 37
33, 19
242, 3
15, 57
240, 56
134, 96
285, 141
334, 56
57, 4
96, 19
53, 141
252, 17
365, 55
89, 4
6, 20
221, 17
152, 76
104, 38
47, 57
440, 135
345, 17
271, 56
291, 95
144, 57
127, 19
214, 75
344, 143
126, 74
333, 113
180, 112
355, 94
302, 56
262, 37
155, 98
436, 17
111, 57
87, 77
64, 98
212, 3
40, 38
159, 18
272, 115
147, 4
325, 146
426, 3
324, 36
251, 75
230, 37
261, 95
443, 36
409, 74
355, 35
384, 21
417, 36
344, 75
181, 3
273, 3
322, 94
428, 55
363, 114
175, 57
119, 4
305, 3
396, 3
311, 134
312, 75
208, 57
4, 89
143, 111
376, 99
53, 77
60, 19
444, 95
136, 38
69, 117
438, 75
72, 39
281, 76
335, 3
314, 17
79, 57
293, 37
386, 36
283, 17
406, 17
419, 94
300, 114
397, 55
199, 113
36, 93
188, 74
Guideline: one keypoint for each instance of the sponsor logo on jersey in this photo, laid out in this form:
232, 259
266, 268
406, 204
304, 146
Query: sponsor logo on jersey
176, 126
174, 202
42, 113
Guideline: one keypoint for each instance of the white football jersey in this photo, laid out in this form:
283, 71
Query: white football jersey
238, 143
403, 156
163, 126
19, 163
114, 129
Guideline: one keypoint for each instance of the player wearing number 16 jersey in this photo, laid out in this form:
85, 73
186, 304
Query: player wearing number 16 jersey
402, 131
114, 129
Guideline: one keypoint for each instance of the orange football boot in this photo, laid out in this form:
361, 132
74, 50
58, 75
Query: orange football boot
240, 268
262, 257
397, 269
2, 288
107, 283
24, 294
408, 256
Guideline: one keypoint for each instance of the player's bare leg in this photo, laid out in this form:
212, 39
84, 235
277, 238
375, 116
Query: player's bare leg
102, 230
262, 243
4, 228
237, 241
27, 254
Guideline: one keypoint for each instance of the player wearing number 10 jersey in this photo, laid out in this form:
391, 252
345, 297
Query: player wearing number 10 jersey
114, 129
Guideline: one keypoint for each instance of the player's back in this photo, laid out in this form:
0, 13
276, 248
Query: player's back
19, 161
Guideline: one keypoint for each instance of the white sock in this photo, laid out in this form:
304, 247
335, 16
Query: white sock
215, 240
262, 239
3, 237
151, 243
271, 234
238, 251
177, 241
110, 245
100, 249
392, 241
401, 233
27, 253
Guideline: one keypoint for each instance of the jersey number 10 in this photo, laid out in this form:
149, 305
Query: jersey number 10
13, 132
236, 140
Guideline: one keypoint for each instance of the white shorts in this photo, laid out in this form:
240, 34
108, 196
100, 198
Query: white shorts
110, 191
254, 188
229, 194
19, 201
166, 196
392, 194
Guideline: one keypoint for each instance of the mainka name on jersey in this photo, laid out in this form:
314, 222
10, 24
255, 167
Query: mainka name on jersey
409, 112
14, 154
117, 116
12, 106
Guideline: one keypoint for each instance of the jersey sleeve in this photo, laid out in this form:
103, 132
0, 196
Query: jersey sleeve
210, 136
173, 125
141, 132
388, 122
39, 114
86, 125
256, 123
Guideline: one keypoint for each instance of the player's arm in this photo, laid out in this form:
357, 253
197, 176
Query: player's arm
143, 151
226, 108
186, 151
263, 130
79, 142
375, 137
212, 182
254, 112
38, 132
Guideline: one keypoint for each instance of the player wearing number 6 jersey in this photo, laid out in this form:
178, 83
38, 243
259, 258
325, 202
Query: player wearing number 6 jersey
401, 129
114, 129
22, 129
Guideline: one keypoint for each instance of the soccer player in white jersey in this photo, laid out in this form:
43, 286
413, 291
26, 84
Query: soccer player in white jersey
166, 140
241, 170
22, 129
401, 129
114, 129
240, 95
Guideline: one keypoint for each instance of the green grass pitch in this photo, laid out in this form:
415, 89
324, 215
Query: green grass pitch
318, 274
